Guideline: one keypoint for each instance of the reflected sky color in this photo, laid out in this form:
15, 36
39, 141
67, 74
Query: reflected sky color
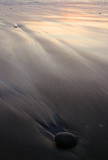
77, 23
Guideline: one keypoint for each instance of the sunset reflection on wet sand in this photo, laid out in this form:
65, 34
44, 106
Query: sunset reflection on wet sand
53, 78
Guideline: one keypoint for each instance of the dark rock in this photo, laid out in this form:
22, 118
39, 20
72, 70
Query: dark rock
65, 139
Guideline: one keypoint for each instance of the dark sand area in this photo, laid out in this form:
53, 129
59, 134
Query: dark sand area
53, 78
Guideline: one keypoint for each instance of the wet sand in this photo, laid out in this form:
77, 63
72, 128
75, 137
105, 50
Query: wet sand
53, 78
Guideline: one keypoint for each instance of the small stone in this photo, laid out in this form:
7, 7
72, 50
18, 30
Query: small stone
15, 26
65, 139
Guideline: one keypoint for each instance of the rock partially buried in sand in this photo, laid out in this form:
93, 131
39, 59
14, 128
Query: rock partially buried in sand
15, 26
65, 139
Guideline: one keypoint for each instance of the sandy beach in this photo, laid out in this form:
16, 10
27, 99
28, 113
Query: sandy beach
53, 78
